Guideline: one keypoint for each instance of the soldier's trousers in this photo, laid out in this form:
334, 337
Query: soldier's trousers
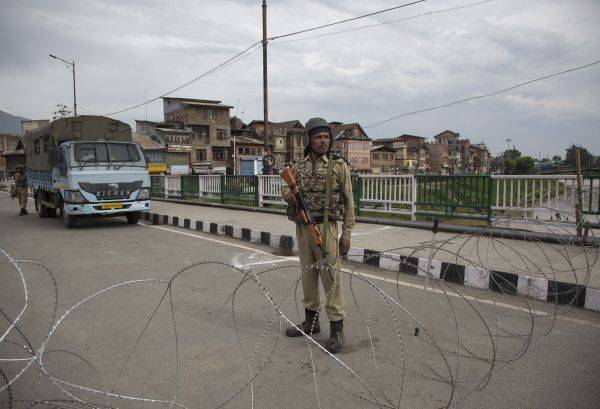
309, 255
22, 195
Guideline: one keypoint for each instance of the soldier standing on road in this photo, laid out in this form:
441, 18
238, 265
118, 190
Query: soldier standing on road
313, 173
21, 188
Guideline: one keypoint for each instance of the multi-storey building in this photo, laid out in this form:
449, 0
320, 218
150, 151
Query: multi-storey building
284, 140
454, 155
353, 143
176, 140
410, 150
208, 122
383, 160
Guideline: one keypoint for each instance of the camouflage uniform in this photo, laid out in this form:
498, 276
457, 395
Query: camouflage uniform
311, 176
22, 189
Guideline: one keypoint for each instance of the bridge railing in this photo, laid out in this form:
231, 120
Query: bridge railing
393, 194
536, 196
454, 196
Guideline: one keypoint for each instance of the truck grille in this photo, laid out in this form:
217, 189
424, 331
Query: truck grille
111, 191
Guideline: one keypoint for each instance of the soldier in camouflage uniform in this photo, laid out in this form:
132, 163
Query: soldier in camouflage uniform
21, 189
311, 174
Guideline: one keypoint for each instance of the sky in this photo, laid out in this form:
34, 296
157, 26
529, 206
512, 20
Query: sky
423, 56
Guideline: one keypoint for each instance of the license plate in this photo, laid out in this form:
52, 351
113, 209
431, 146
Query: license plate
106, 206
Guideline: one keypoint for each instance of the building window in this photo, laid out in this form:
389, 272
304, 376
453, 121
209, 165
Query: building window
376, 156
36, 146
218, 153
210, 113
221, 134
200, 154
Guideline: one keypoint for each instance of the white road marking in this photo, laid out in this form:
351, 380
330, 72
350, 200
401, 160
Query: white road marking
393, 281
220, 241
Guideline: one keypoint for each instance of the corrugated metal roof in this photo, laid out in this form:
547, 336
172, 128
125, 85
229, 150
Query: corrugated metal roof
146, 142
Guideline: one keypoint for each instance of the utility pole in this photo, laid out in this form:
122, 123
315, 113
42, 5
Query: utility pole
72, 64
265, 89
508, 141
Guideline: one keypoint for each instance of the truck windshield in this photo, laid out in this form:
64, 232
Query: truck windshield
98, 152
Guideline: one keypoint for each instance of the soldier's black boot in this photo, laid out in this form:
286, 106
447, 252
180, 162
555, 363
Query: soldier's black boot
336, 339
310, 325
25, 212
22, 212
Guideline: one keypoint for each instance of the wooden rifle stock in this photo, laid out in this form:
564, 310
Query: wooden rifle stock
307, 218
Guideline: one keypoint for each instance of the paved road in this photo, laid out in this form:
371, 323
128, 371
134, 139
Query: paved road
538, 260
93, 347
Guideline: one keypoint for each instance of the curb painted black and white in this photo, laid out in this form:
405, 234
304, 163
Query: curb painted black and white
498, 281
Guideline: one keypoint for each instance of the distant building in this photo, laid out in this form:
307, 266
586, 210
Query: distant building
12, 154
284, 140
155, 153
208, 123
353, 143
452, 155
31, 124
409, 150
174, 138
383, 160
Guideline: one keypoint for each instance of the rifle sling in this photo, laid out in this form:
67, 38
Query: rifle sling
327, 201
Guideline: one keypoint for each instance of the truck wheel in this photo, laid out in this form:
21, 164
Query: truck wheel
51, 212
133, 218
42, 209
69, 220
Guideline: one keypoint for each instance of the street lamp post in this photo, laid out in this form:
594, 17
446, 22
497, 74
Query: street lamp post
72, 64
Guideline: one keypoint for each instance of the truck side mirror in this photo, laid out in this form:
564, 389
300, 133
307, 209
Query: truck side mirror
52, 156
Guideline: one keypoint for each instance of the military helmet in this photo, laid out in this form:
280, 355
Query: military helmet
312, 125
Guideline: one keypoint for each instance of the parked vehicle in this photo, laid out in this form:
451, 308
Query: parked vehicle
87, 166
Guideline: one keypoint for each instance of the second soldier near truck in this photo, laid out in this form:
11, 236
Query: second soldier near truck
311, 173
21, 189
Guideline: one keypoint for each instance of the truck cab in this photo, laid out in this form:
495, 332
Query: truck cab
100, 178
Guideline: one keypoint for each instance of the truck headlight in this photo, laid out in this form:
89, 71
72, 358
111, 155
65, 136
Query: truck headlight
74, 196
144, 194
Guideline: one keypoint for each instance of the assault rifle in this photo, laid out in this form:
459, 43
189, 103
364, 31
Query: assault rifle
304, 211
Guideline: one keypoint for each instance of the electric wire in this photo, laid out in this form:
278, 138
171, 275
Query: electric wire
306, 30
204, 74
460, 101
384, 23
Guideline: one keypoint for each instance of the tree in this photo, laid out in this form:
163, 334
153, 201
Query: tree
524, 165
587, 159
61, 112
556, 158
511, 154
509, 166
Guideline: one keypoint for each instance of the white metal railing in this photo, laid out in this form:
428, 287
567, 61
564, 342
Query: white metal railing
270, 190
209, 185
388, 194
543, 196
172, 186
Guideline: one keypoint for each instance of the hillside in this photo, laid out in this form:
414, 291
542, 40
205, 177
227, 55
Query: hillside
10, 123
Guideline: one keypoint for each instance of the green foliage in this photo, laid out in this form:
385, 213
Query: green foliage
587, 158
524, 165
511, 154
556, 158
509, 166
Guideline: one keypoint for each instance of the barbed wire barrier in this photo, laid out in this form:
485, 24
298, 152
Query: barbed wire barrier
166, 342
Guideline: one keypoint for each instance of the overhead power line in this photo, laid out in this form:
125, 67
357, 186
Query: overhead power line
204, 74
484, 95
385, 22
345, 20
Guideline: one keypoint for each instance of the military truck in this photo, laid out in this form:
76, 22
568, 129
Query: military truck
87, 166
